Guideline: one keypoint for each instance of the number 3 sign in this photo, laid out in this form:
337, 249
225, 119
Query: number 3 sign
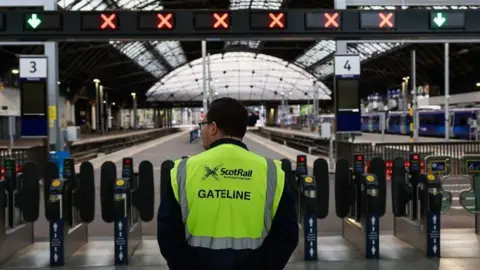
33, 67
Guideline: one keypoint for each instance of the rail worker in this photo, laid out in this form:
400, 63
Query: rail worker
227, 208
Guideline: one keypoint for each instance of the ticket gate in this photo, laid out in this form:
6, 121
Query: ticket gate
313, 201
470, 199
360, 201
19, 207
418, 200
69, 207
127, 201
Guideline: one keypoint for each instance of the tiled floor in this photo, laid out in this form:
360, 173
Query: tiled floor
99, 255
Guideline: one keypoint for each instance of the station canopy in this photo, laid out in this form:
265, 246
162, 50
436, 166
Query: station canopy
174, 70
241, 75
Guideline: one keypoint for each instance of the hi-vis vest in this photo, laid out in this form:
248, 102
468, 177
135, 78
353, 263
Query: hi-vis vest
228, 197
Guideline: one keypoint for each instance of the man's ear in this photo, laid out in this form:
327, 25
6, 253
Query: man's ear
214, 129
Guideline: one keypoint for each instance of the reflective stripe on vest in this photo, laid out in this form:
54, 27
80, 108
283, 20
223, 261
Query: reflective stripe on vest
227, 242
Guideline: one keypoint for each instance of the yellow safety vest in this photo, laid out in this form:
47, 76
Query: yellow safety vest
228, 197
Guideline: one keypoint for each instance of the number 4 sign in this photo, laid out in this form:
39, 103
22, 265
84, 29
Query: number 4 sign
347, 66
33, 67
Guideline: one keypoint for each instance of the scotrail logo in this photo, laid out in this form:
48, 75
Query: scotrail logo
219, 170
211, 172
239, 174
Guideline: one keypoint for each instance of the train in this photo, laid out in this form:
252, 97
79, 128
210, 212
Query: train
431, 122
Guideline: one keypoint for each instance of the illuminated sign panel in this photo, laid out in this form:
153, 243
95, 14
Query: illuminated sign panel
268, 20
212, 20
100, 21
238, 24
156, 21
323, 20
473, 166
39, 21
377, 20
446, 19
332, 20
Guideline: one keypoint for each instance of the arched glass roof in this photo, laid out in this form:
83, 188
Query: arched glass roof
313, 58
138, 51
241, 75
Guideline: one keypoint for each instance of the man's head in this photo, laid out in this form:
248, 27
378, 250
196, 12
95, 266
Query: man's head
226, 118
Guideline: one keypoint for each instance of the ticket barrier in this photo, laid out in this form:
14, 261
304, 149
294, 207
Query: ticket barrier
299, 174
127, 201
311, 198
470, 199
360, 201
19, 207
70, 206
418, 200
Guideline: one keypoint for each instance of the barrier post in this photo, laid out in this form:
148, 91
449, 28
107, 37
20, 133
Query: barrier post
300, 170
309, 197
55, 215
433, 205
121, 224
372, 235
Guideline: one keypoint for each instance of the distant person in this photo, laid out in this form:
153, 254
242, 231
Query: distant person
252, 119
227, 208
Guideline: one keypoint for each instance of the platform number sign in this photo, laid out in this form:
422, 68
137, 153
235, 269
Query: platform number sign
347, 66
33, 67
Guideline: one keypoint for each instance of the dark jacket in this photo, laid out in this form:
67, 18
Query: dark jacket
272, 255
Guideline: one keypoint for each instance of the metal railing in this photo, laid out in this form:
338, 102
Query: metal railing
39, 153
390, 151
385, 150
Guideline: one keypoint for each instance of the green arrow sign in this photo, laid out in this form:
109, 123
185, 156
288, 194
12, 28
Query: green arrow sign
34, 21
439, 19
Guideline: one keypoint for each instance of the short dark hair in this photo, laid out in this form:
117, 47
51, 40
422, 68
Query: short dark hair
230, 116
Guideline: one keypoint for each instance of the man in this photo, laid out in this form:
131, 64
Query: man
227, 208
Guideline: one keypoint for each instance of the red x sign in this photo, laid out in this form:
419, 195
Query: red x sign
221, 20
331, 20
108, 21
165, 21
386, 20
277, 20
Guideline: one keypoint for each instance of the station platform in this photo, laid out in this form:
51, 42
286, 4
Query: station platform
85, 138
88, 147
460, 246
364, 138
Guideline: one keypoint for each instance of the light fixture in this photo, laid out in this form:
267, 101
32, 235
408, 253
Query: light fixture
216, 93
104, 102
58, 82
96, 80
113, 103
478, 84
15, 71
133, 94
